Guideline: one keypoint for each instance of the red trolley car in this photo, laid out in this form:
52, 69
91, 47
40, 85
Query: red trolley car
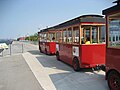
113, 46
72, 47
47, 42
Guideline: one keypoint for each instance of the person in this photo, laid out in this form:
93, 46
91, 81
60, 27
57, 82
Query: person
82, 40
87, 40
53, 38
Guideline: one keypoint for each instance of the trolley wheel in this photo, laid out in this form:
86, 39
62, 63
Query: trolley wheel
57, 56
40, 49
114, 80
46, 52
76, 66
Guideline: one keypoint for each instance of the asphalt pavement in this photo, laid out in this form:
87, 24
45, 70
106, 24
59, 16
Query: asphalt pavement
56, 75
15, 74
32, 70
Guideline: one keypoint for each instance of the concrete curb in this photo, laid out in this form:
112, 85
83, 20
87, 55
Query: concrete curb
39, 72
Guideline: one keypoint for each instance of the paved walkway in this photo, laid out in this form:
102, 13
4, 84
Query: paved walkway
56, 75
16, 75
36, 71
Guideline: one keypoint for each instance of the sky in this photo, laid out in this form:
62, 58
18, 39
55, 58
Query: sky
25, 17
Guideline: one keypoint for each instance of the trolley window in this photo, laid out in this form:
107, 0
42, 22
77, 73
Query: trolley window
58, 36
64, 36
43, 37
51, 37
76, 35
69, 35
114, 30
95, 34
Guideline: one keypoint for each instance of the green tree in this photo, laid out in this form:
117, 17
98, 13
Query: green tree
32, 37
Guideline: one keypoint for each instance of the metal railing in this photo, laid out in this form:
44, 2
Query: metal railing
12, 49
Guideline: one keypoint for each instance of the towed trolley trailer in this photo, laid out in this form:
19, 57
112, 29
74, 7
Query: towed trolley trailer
112, 15
47, 42
69, 41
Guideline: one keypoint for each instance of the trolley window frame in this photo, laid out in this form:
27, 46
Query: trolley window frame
109, 18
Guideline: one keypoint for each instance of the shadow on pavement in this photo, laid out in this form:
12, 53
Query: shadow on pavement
78, 81
65, 78
35, 52
52, 62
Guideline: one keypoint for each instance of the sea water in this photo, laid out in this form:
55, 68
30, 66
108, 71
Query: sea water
7, 41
